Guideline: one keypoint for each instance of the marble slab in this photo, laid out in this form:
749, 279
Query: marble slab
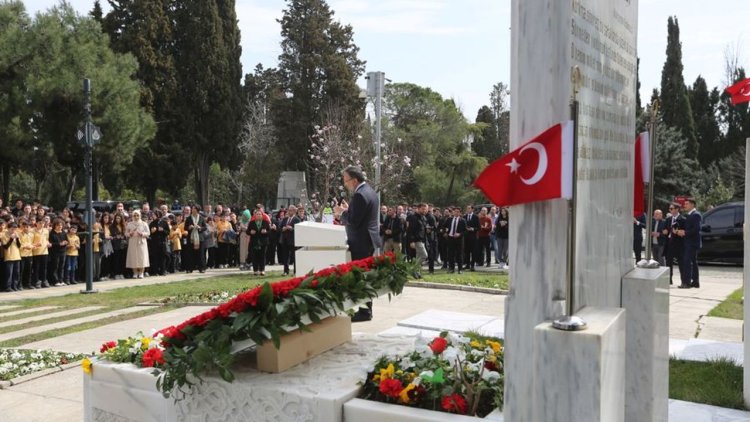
580, 375
746, 274
676, 346
683, 411
399, 331
358, 410
437, 320
310, 233
645, 297
703, 350
314, 391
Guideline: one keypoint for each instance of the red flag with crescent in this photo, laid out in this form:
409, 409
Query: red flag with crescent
740, 92
538, 170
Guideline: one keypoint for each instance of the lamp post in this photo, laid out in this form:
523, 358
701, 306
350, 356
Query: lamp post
90, 135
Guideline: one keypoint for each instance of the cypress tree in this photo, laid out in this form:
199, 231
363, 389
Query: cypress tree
675, 104
319, 68
703, 105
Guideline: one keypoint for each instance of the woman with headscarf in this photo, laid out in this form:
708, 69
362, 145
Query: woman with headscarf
137, 233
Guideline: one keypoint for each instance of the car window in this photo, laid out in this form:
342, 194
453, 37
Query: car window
720, 219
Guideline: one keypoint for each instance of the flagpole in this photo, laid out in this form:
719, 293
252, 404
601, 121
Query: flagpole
648, 262
569, 322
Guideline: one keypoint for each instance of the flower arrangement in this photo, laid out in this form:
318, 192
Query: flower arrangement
142, 351
204, 343
450, 373
17, 362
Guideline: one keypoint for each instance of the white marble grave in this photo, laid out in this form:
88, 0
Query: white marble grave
314, 391
705, 350
459, 322
358, 410
322, 245
645, 296
548, 39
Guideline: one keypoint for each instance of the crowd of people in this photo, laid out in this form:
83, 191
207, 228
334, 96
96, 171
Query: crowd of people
42, 247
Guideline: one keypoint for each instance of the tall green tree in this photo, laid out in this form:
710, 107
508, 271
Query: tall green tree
704, 105
75, 47
209, 102
144, 28
675, 104
487, 143
15, 54
734, 120
319, 68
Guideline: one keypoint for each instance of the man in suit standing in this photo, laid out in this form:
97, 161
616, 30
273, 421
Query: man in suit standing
361, 219
692, 235
639, 223
658, 239
675, 223
456, 228
470, 237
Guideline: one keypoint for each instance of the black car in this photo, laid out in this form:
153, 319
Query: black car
721, 233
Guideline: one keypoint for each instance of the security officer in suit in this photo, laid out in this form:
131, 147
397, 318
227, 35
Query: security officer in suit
675, 223
692, 236
361, 219
455, 231
470, 238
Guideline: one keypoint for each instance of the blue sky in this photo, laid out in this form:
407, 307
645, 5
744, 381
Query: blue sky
460, 48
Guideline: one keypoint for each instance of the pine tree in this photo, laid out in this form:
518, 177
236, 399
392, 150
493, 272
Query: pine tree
704, 106
96, 12
675, 104
319, 68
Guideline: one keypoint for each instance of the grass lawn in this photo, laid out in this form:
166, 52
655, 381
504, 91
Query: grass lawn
731, 307
468, 278
717, 382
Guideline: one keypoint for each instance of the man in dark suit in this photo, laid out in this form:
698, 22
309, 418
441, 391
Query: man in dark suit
455, 231
639, 223
658, 239
692, 235
361, 219
470, 237
675, 223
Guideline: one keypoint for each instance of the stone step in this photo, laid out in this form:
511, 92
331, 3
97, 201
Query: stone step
48, 316
68, 323
4, 308
27, 311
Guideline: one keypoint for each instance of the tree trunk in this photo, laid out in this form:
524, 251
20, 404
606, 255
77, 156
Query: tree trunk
6, 183
71, 186
202, 170
94, 180
151, 196
450, 186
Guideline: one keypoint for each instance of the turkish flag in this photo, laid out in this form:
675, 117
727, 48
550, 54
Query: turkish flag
538, 170
740, 91
642, 171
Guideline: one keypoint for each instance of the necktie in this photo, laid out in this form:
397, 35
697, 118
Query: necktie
453, 226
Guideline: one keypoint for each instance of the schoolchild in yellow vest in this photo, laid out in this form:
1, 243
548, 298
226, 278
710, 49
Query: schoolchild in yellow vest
175, 241
27, 246
71, 254
40, 254
11, 244
97, 241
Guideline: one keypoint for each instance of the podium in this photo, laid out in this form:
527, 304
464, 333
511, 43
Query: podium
322, 245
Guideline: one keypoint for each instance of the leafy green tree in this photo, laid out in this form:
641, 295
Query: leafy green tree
144, 28
704, 106
487, 143
675, 104
674, 171
15, 53
209, 96
319, 68
734, 120
74, 46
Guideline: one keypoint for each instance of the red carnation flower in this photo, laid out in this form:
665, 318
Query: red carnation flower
438, 345
391, 387
108, 345
490, 366
455, 403
153, 357
314, 284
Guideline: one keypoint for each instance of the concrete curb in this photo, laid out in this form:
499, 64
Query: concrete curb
39, 374
430, 285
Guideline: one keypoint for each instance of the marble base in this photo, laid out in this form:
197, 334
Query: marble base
580, 375
704, 350
645, 297
310, 233
358, 410
307, 260
314, 391
459, 322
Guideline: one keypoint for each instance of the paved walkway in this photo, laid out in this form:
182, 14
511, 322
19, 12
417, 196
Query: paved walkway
58, 396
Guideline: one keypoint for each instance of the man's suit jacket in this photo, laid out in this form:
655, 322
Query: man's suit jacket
659, 226
394, 225
472, 221
693, 230
361, 221
460, 227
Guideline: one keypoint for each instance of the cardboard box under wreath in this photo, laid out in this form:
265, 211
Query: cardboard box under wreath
299, 346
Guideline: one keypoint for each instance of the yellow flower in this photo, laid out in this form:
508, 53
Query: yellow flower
145, 341
404, 394
86, 365
475, 344
496, 347
387, 372
490, 358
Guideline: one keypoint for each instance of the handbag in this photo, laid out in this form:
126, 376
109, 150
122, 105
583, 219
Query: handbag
107, 248
229, 236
